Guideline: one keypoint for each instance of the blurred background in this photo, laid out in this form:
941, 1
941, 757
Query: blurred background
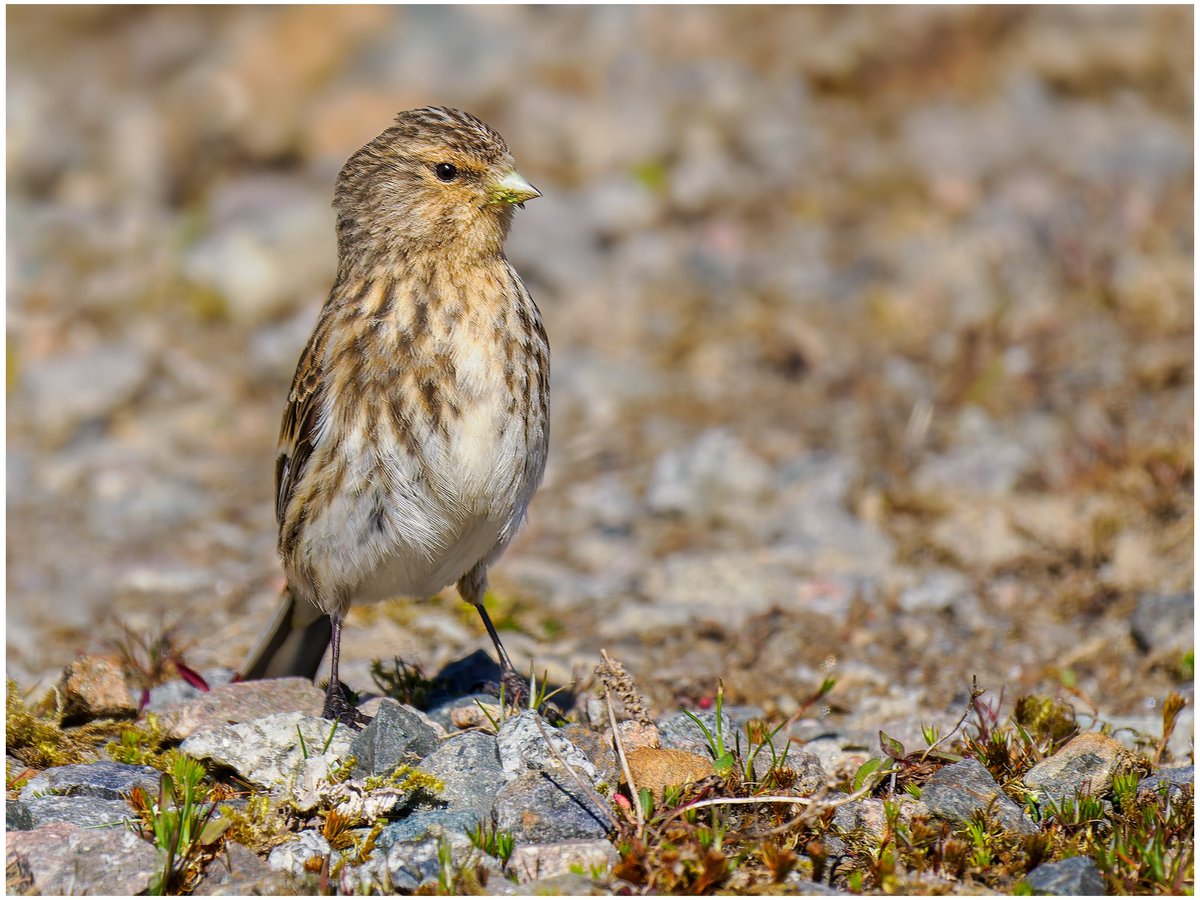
872, 337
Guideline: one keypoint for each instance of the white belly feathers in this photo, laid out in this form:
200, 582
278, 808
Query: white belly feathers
416, 524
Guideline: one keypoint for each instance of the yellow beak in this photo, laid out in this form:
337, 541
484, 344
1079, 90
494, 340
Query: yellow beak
512, 188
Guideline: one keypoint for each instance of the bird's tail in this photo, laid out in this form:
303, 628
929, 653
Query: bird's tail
293, 644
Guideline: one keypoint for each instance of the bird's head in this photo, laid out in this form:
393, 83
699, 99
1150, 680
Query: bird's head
438, 180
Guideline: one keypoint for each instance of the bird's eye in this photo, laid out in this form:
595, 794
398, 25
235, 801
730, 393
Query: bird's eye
445, 171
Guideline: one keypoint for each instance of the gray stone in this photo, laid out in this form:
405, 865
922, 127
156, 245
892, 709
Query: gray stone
679, 732
1073, 877
410, 864
869, 816
269, 752
396, 736
243, 701
17, 816
523, 748
599, 750
1086, 764
545, 807
84, 811
469, 767
809, 774
431, 823
1174, 780
105, 780
292, 856
62, 858
530, 862
442, 711
172, 693
239, 872
958, 791
1164, 622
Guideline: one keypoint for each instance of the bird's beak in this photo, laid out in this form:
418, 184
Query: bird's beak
512, 188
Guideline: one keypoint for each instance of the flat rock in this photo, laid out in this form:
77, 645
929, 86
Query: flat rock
243, 701
269, 752
86, 812
958, 791
523, 748
469, 767
172, 693
1073, 877
105, 780
547, 807
240, 872
398, 735
1086, 764
62, 858
530, 862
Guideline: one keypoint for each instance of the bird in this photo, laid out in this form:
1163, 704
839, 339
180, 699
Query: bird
416, 429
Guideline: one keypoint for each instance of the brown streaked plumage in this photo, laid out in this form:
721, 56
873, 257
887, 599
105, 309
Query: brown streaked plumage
416, 429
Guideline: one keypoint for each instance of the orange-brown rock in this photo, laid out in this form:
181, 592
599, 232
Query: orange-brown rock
656, 769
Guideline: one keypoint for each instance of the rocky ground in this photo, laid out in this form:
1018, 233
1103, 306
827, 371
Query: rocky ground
873, 364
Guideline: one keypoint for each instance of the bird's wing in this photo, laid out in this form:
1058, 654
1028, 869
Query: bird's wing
298, 434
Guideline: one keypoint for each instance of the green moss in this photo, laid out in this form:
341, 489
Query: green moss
1045, 719
147, 744
42, 742
261, 825
406, 778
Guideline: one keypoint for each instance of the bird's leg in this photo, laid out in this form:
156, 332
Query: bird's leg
472, 587
337, 707
514, 684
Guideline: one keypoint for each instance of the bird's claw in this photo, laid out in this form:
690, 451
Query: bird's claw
339, 709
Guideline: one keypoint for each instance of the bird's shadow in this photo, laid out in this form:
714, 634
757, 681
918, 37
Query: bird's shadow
478, 676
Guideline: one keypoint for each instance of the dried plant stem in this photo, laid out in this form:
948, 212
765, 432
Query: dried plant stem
811, 802
633, 791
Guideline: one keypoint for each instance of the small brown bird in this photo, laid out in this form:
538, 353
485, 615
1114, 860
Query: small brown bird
416, 430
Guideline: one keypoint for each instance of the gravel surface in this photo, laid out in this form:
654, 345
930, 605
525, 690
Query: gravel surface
872, 330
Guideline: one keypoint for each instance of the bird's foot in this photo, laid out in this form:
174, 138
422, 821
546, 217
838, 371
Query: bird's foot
339, 708
513, 687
